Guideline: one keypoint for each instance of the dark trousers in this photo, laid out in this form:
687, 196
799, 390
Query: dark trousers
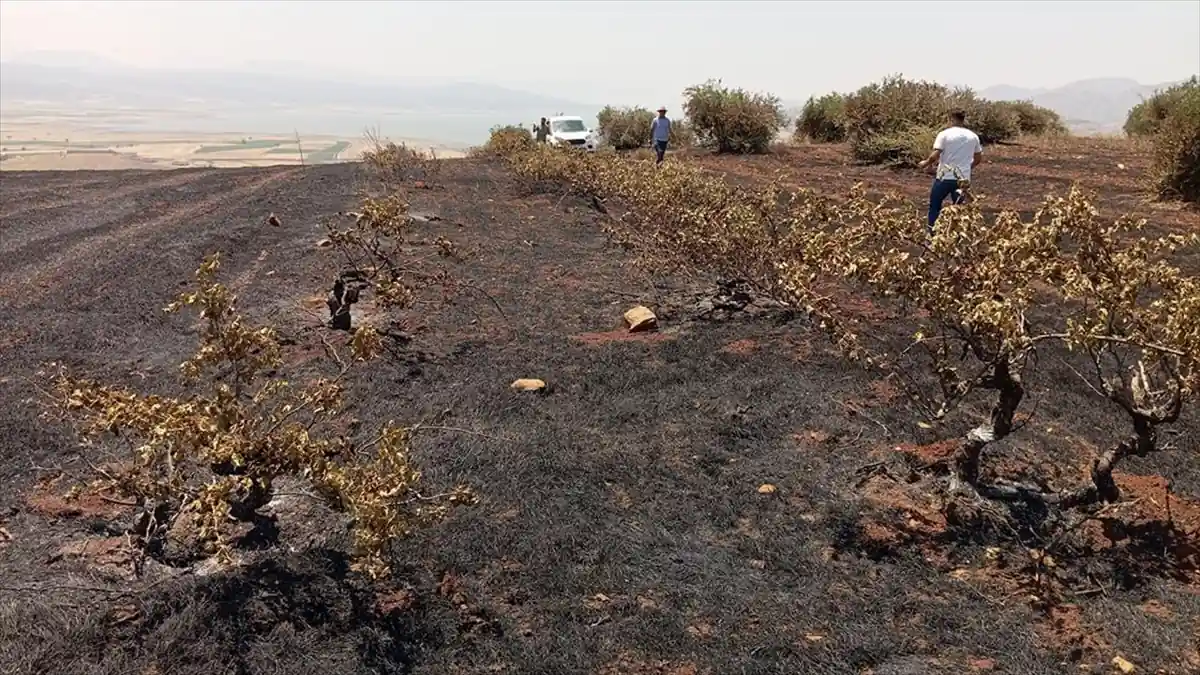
660, 149
942, 188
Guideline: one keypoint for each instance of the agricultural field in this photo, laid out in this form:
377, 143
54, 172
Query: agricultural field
716, 495
38, 143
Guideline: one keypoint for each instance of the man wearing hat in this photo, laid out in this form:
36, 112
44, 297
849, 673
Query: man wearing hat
660, 132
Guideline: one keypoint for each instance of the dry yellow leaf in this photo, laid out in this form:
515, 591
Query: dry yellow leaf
766, 489
640, 319
596, 601
1038, 555
528, 384
1123, 665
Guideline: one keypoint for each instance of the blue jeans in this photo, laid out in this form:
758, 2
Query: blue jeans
942, 188
660, 148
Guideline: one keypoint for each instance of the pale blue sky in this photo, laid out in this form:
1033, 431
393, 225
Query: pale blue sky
636, 51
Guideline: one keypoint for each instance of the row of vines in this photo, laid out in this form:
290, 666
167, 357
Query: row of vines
986, 296
201, 465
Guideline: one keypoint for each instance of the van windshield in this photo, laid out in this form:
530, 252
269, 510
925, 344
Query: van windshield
567, 126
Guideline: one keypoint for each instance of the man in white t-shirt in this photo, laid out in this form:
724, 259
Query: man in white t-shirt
956, 150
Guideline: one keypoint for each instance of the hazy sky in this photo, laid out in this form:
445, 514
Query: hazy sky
635, 52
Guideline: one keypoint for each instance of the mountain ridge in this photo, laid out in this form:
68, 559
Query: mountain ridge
25, 80
1096, 104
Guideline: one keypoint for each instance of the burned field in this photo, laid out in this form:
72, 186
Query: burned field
704, 498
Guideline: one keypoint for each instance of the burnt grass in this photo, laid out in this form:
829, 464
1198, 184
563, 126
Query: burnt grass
621, 527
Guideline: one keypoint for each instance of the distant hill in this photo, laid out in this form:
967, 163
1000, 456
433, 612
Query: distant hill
75, 83
448, 110
1097, 105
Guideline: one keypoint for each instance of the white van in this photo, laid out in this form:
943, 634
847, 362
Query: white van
566, 130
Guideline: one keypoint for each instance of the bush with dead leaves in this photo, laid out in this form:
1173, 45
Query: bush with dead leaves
397, 162
215, 453
503, 141
1097, 288
374, 249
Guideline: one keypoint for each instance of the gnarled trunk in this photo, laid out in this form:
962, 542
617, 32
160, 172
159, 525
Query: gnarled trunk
1010, 392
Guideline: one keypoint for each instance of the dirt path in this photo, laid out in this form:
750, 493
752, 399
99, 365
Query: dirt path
44, 259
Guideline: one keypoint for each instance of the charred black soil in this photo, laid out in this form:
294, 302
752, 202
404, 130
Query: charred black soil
626, 521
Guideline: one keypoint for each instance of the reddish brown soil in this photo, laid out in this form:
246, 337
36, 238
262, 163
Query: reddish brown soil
931, 453
1157, 610
398, 601
903, 514
1152, 499
741, 347
884, 391
1149, 509
52, 499
100, 552
1065, 627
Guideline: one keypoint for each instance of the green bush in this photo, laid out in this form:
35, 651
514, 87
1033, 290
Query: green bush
1144, 118
823, 119
682, 134
897, 148
629, 128
626, 128
505, 140
883, 119
895, 104
1034, 120
993, 121
1176, 164
732, 120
